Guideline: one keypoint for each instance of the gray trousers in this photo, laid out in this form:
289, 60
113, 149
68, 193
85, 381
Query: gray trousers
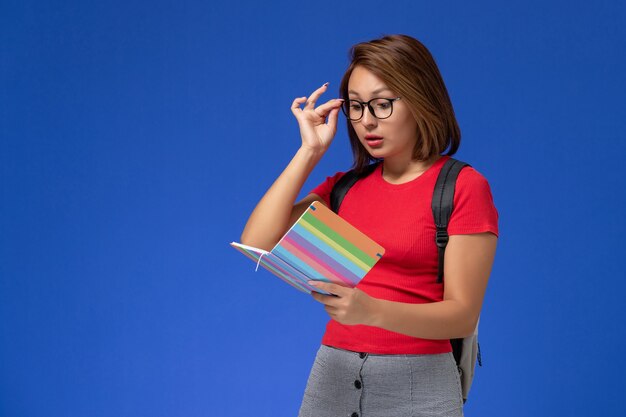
343, 383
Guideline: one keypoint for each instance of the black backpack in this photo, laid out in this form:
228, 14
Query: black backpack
466, 350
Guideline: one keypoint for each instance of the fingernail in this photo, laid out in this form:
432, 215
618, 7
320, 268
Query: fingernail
325, 84
312, 283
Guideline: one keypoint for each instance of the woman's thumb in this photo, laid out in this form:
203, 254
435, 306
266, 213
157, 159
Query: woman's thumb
332, 119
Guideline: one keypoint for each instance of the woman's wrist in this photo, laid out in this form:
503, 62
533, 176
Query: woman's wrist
310, 153
374, 309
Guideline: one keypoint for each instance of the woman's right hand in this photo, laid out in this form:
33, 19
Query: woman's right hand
316, 134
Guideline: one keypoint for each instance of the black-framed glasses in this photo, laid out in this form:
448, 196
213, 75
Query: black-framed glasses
380, 108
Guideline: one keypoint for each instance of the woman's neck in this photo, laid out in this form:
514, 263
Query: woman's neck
398, 171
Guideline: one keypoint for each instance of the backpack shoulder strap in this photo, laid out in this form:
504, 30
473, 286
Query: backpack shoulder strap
443, 204
341, 187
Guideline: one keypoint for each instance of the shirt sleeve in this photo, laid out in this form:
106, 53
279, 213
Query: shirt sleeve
324, 189
474, 210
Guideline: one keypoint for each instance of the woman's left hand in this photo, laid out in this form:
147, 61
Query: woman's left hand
347, 306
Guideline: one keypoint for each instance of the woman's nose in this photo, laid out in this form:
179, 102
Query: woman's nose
368, 118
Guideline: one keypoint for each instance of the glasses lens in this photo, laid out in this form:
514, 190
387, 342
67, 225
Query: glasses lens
382, 108
353, 109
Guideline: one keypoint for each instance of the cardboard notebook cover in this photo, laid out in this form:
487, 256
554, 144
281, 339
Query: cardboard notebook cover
319, 246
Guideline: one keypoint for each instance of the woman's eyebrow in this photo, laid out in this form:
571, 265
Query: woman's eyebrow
380, 90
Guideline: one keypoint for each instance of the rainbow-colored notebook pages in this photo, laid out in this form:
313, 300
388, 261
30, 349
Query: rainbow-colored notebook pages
320, 246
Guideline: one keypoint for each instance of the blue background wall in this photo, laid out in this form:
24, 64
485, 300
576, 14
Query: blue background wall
136, 137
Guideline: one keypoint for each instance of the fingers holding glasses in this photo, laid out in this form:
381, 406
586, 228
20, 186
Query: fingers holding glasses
325, 109
321, 112
316, 115
333, 113
315, 132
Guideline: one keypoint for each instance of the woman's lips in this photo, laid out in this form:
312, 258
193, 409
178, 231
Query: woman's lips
373, 141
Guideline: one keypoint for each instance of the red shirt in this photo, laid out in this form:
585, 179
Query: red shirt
399, 217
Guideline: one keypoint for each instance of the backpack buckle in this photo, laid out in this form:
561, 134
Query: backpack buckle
441, 238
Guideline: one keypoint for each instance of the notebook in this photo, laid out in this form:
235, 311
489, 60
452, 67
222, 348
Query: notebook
320, 246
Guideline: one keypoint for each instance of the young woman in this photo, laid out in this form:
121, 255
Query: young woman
386, 350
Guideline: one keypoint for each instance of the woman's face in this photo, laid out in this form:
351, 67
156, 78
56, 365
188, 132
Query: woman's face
382, 138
